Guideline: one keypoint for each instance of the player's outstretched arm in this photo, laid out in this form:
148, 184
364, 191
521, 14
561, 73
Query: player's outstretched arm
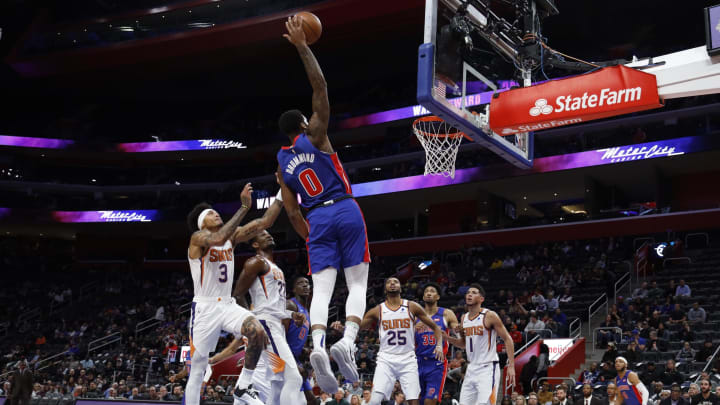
227, 352
317, 127
252, 268
457, 341
450, 319
293, 208
204, 238
420, 314
495, 322
251, 229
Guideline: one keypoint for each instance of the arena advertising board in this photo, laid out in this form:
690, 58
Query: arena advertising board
136, 147
557, 347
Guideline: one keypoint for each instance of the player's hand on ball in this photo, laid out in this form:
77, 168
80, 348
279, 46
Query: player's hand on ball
337, 325
298, 318
246, 195
439, 355
296, 34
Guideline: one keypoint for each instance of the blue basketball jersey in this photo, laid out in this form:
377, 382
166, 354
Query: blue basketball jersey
297, 335
630, 394
315, 175
425, 338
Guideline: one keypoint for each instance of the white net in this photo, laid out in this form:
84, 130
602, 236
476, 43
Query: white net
441, 142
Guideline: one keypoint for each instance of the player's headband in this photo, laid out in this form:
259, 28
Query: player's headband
623, 359
201, 217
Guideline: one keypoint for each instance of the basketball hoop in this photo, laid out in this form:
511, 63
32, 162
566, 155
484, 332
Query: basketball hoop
441, 142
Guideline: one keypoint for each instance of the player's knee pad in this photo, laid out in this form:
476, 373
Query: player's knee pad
356, 278
323, 287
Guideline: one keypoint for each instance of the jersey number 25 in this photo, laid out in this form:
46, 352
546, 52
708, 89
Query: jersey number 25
310, 182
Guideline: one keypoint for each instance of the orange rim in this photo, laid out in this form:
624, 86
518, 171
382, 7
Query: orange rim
434, 118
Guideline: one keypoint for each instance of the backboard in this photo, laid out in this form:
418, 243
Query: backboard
449, 86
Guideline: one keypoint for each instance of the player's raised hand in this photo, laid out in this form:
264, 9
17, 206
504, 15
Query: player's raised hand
439, 355
246, 195
298, 318
296, 34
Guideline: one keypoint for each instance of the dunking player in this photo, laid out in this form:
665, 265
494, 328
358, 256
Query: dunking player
335, 232
212, 266
396, 358
628, 383
479, 329
432, 371
266, 283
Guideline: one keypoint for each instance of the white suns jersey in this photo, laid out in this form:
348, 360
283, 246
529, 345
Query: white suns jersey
397, 331
213, 273
480, 343
267, 292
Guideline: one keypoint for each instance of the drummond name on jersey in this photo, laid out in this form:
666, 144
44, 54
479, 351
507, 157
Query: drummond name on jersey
298, 159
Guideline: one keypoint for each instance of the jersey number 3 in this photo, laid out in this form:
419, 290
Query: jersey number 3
310, 182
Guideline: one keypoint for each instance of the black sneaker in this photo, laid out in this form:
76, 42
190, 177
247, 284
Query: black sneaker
248, 396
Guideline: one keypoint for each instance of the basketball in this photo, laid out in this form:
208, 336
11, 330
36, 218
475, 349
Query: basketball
311, 25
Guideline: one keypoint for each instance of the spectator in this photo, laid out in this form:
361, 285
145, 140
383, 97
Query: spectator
545, 396
677, 315
551, 303
5, 389
563, 399
613, 396
355, 400
590, 376
696, 313
632, 354
519, 400
588, 399
656, 393
135, 394
398, 399
706, 396
675, 397
22, 387
686, 334
651, 374
682, 290
537, 299
366, 397
456, 366
543, 361
566, 296
655, 292
535, 325
706, 352
641, 292
607, 371
532, 399
528, 373
610, 354
686, 353
671, 374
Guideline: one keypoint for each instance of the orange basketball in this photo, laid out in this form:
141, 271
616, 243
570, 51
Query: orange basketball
311, 25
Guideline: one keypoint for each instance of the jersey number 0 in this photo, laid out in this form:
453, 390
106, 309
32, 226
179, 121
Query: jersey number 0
310, 182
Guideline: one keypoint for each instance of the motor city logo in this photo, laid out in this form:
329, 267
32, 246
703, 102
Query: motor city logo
123, 216
628, 153
219, 144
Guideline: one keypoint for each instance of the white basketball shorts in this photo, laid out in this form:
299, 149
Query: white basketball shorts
481, 384
392, 367
211, 315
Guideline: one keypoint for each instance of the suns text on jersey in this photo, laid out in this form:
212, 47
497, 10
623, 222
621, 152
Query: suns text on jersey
217, 255
298, 159
474, 331
396, 324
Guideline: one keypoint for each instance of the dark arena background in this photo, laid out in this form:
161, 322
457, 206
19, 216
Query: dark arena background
119, 116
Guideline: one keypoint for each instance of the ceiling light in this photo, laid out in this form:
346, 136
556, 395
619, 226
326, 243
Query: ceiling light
555, 194
93, 180
524, 197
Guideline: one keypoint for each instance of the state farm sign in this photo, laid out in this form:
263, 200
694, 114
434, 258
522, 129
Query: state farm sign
610, 91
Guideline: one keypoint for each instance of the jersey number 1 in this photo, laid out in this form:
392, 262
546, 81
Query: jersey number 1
310, 182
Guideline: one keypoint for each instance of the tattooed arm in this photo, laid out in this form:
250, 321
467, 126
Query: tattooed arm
317, 127
204, 239
251, 229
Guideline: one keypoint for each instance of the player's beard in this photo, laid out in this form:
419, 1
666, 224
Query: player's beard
620, 372
429, 303
395, 293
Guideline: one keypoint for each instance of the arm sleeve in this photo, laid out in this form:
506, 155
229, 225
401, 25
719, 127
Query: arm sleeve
644, 394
